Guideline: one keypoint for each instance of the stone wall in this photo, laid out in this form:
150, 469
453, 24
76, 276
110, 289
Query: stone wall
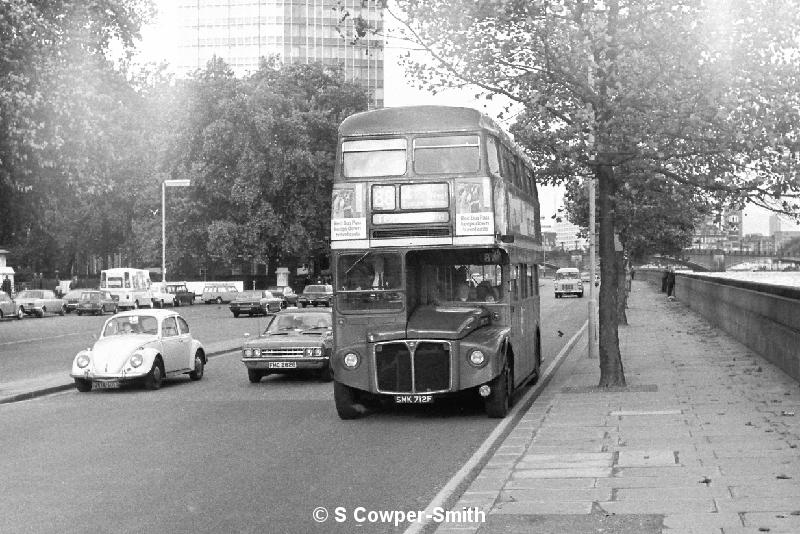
764, 318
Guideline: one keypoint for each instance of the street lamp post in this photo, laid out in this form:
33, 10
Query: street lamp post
164, 185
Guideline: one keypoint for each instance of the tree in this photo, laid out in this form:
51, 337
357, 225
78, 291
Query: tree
260, 153
701, 94
63, 117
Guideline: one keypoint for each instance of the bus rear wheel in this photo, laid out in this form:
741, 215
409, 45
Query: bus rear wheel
347, 402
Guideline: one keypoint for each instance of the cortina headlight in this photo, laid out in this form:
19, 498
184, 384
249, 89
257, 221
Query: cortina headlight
82, 361
136, 360
248, 353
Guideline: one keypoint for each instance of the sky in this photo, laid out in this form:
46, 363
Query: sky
158, 42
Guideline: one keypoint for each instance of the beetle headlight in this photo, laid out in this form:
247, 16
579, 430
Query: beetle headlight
477, 358
351, 360
82, 360
136, 360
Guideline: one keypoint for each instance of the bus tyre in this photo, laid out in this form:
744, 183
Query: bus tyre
347, 402
498, 403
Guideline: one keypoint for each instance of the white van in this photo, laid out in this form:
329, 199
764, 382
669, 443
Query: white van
568, 282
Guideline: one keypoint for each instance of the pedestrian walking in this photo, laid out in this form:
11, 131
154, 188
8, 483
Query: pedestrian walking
671, 282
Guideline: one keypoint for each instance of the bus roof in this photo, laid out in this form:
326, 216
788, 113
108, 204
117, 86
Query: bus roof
420, 119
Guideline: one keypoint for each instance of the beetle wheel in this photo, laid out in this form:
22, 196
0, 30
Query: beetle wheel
83, 385
155, 377
199, 367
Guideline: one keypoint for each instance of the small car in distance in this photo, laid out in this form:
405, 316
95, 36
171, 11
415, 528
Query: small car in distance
286, 293
96, 302
568, 282
222, 294
9, 308
295, 340
255, 302
139, 346
161, 297
38, 302
182, 294
316, 295
71, 298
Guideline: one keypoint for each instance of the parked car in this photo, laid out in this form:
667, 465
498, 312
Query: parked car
37, 302
294, 340
182, 294
9, 308
161, 297
96, 302
139, 346
71, 298
286, 293
568, 282
257, 302
219, 294
316, 295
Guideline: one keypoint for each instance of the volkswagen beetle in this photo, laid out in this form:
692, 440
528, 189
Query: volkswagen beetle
139, 346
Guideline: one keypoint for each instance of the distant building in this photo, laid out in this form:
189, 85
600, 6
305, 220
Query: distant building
720, 231
782, 223
241, 32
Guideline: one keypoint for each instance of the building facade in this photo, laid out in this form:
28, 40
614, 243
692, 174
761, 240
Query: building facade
241, 32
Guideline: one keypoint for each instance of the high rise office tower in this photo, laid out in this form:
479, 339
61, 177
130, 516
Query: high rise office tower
298, 31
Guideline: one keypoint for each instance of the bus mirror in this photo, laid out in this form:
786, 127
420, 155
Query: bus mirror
507, 238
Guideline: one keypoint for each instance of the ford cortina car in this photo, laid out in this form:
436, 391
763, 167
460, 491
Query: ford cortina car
295, 340
139, 347
255, 303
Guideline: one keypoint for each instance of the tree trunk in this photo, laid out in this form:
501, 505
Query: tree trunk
611, 371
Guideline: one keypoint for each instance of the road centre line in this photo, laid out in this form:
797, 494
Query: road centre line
481, 456
41, 338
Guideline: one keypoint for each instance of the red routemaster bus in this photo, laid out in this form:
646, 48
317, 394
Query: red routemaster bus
435, 241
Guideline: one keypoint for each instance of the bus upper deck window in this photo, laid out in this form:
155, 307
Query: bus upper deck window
374, 157
447, 154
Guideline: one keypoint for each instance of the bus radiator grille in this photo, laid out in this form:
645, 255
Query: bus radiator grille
429, 373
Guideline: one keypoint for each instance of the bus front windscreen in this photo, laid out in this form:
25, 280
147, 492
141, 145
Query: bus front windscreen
370, 281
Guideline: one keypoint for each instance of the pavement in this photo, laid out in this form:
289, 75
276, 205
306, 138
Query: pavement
703, 439
29, 388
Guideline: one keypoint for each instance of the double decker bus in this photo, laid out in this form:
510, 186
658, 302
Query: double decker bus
435, 245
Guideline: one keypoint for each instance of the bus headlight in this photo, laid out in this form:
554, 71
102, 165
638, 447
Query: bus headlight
351, 360
82, 361
136, 360
477, 358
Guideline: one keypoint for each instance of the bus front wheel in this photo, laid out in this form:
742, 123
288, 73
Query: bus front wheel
498, 403
347, 401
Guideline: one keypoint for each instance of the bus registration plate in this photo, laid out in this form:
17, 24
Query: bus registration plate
413, 399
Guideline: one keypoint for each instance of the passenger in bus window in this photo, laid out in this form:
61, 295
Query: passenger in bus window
486, 292
462, 292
